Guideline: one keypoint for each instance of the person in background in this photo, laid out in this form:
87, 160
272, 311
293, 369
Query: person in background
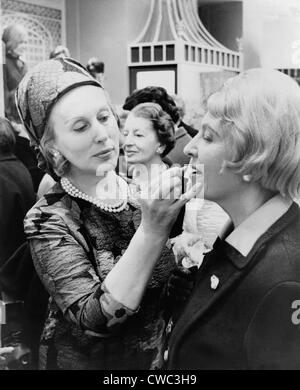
160, 96
14, 38
25, 153
148, 135
59, 51
17, 195
243, 312
103, 261
95, 68
180, 103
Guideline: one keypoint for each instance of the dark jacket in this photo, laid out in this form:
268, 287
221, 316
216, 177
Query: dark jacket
26, 154
16, 198
250, 321
176, 155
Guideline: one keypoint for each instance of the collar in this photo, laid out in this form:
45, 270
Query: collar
249, 231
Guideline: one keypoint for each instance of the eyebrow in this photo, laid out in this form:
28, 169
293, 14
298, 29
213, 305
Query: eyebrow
82, 116
133, 130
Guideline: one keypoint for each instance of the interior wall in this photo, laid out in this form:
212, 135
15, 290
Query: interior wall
224, 21
103, 29
72, 28
271, 31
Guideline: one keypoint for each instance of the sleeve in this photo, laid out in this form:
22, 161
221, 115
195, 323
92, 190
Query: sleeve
69, 277
272, 341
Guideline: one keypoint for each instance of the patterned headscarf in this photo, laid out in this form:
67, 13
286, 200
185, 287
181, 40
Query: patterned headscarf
38, 92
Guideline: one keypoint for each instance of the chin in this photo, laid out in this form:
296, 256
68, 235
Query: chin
105, 167
131, 161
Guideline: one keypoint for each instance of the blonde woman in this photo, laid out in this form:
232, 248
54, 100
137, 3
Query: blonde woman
244, 309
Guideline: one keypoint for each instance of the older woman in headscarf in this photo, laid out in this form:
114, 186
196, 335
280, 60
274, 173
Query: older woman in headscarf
103, 261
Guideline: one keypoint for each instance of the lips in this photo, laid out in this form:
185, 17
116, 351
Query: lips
130, 153
197, 169
194, 173
104, 153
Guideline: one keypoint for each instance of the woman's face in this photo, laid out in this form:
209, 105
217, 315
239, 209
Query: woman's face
19, 46
85, 130
140, 141
208, 150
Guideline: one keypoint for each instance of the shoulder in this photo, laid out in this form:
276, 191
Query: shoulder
56, 208
14, 175
279, 248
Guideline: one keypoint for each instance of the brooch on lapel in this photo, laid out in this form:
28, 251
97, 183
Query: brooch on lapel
214, 282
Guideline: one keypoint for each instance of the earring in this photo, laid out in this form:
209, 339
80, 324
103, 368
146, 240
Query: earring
56, 154
158, 150
247, 178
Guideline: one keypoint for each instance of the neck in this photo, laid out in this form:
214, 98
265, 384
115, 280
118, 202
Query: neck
87, 183
243, 204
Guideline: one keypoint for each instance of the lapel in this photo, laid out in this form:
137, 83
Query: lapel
229, 266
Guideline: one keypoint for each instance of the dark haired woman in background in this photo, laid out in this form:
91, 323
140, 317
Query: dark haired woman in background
160, 96
148, 136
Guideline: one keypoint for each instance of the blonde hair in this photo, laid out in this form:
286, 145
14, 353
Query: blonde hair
259, 117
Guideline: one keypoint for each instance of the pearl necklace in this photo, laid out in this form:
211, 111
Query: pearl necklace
75, 192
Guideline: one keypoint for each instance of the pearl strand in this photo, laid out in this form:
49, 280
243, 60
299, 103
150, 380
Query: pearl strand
75, 192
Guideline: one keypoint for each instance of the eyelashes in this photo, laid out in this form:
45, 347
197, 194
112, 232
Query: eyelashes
83, 125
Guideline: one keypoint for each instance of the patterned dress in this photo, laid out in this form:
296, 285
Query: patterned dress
74, 245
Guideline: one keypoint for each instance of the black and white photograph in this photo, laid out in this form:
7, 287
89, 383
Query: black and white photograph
149, 188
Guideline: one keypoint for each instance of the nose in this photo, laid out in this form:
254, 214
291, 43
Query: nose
191, 148
128, 140
100, 132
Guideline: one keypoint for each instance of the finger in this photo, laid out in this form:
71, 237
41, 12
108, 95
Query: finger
6, 350
165, 183
167, 187
176, 192
192, 192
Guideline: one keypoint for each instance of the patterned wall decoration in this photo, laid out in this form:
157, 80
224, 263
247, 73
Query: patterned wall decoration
44, 26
